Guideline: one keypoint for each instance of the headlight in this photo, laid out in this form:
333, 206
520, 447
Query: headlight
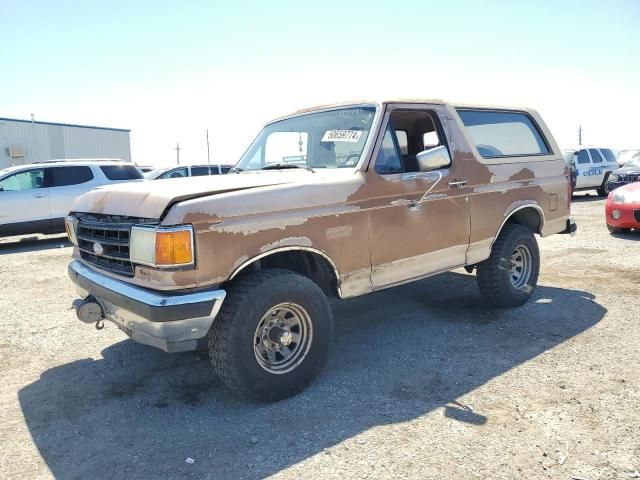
162, 246
613, 178
70, 225
618, 197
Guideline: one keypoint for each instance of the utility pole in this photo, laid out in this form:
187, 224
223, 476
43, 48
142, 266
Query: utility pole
208, 153
209, 156
33, 137
177, 149
580, 135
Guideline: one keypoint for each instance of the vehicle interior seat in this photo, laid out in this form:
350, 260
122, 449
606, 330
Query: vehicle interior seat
325, 156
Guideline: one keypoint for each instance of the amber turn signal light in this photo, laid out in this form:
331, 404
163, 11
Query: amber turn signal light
174, 247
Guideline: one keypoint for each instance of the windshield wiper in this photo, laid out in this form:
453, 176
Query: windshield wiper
283, 166
235, 170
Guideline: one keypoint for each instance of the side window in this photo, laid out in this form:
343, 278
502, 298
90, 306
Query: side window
28, 180
416, 130
503, 134
175, 173
121, 172
608, 155
583, 157
64, 176
388, 159
595, 155
202, 171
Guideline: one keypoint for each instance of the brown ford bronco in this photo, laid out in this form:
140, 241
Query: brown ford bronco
334, 201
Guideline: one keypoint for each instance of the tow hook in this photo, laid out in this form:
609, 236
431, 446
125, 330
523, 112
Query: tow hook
89, 310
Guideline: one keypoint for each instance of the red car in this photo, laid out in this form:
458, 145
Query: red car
623, 208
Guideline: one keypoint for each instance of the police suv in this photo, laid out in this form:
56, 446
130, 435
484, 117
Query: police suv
590, 168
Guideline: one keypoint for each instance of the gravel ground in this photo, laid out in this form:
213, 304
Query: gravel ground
424, 381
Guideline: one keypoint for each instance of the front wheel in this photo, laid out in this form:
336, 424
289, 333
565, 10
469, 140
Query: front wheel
272, 336
509, 276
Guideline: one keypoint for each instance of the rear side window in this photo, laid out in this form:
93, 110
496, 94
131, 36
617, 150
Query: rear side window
64, 176
595, 156
608, 155
503, 134
583, 157
202, 171
121, 172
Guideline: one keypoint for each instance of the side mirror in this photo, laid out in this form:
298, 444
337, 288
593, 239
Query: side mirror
433, 159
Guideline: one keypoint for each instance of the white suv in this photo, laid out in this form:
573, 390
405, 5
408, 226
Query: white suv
36, 198
590, 168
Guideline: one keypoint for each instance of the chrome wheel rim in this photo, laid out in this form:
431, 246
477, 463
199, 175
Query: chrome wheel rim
521, 266
282, 338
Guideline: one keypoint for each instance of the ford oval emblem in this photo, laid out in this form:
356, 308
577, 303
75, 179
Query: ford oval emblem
98, 249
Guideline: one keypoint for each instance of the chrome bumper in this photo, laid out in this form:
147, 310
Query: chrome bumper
165, 320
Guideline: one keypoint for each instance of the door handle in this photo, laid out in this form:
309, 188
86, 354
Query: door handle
458, 183
40, 195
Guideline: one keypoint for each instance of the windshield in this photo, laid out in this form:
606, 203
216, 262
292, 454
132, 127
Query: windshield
330, 139
634, 162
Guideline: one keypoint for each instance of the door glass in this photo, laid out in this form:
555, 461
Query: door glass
29, 180
388, 159
583, 157
595, 155
63, 176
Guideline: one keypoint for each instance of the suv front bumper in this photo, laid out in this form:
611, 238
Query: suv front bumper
168, 321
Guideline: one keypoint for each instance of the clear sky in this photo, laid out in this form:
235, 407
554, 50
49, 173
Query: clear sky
170, 70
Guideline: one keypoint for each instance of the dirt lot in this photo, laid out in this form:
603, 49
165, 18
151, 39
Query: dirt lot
424, 381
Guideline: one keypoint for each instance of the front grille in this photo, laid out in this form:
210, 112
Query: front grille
112, 233
633, 177
636, 214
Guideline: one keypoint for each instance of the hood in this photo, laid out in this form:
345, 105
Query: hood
627, 170
151, 199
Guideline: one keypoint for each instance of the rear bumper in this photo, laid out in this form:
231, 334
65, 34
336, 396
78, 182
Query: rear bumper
168, 321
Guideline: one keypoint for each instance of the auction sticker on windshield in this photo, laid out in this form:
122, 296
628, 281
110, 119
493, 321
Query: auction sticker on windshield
342, 136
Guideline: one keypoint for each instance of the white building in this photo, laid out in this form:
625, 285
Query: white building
26, 141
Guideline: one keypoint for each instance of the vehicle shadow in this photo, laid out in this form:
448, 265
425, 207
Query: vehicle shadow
585, 198
33, 243
398, 354
632, 235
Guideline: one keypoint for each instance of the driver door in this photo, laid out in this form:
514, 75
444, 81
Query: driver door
419, 220
24, 202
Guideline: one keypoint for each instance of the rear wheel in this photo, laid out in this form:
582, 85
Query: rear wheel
509, 276
272, 336
616, 230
